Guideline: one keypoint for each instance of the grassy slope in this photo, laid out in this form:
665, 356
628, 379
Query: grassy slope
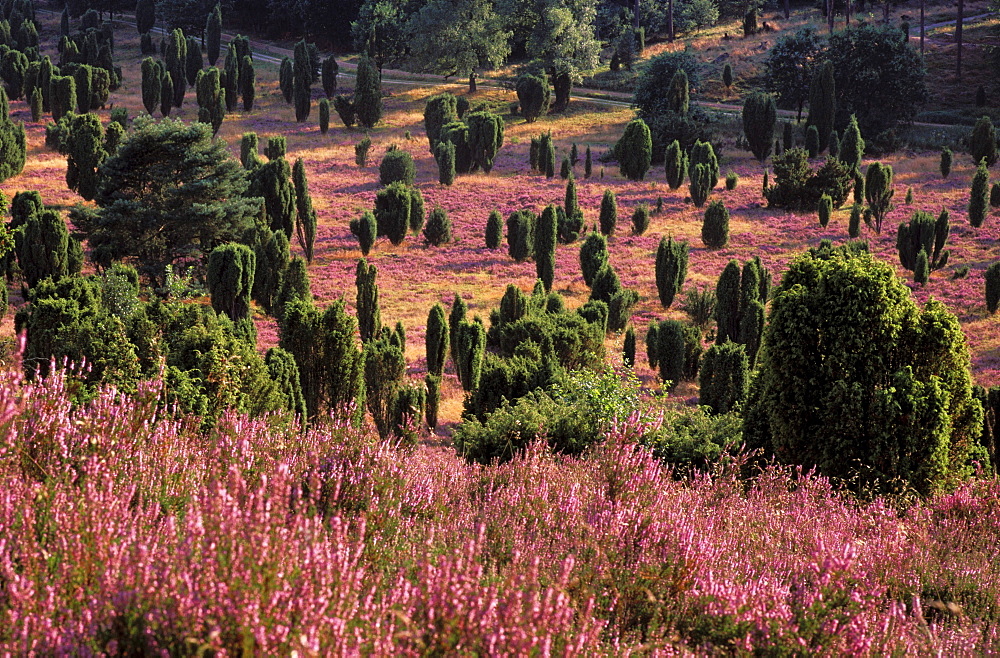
413, 276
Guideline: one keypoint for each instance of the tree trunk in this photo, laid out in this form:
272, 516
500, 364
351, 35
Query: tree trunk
921, 27
670, 19
958, 37
829, 14
635, 16
847, 15
472, 82
788, 9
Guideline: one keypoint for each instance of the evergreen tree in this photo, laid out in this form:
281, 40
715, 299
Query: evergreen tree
824, 209
485, 138
459, 310
385, 368
979, 195
273, 256
640, 219
193, 60
533, 95
166, 92
471, 347
439, 111
678, 93
305, 215
329, 76
445, 156
41, 245
285, 373
368, 93
946, 158
494, 230
671, 269
433, 384
521, 235
675, 163
715, 227
175, 57
634, 151
759, 117
324, 115
63, 96
593, 256
545, 246
628, 348
878, 193
294, 285
852, 146
272, 181
365, 229
438, 228
369, 313
983, 142
822, 104
727, 307
231, 270
213, 35
302, 82
249, 157
570, 228
248, 87
86, 153
393, 205
588, 165
145, 16
286, 79
609, 213
436, 340
724, 377
83, 77
992, 278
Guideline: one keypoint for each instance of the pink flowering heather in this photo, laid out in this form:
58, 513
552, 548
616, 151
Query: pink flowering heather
125, 530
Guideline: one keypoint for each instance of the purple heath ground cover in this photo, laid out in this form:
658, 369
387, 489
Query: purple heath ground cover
123, 530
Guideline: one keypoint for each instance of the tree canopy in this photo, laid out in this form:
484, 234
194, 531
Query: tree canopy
168, 193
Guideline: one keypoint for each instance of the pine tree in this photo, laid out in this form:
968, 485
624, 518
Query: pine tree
628, 348
593, 256
715, 227
727, 307
759, 116
324, 115
494, 230
286, 78
445, 157
329, 72
588, 165
273, 256
675, 163
879, 192
151, 85
852, 146
249, 157
459, 310
248, 86
192, 60
724, 377
438, 228
365, 229
485, 138
992, 277
983, 142
634, 151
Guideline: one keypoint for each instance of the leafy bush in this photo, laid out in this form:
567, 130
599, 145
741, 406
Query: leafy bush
634, 151
438, 228
397, 166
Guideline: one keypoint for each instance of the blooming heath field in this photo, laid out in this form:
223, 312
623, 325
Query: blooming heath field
125, 530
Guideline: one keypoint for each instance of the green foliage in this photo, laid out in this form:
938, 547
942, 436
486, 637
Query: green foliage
889, 407
445, 156
878, 77
331, 367
393, 205
979, 195
433, 384
397, 165
231, 270
822, 105
678, 351
286, 78
571, 219
249, 150
724, 377
83, 77
192, 60
361, 150
854, 223
329, 72
609, 213
924, 234
457, 133
676, 164
302, 77
273, 256
521, 235
85, 154
272, 181
548, 155
324, 115
565, 169
485, 138
213, 35
634, 151
640, 219
727, 309
285, 373
436, 340
699, 305
759, 116
628, 348
36, 105
700, 186
168, 191
732, 180
439, 111
175, 57
702, 153
145, 16
294, 286
407, 411
459, 310
40, 244
995, 195
727, 75
63, 94
593, 256
166, 92
305, 215
992, 278
983, 142
824, 209
852, 146
534, 96
588, 165
438, 228
797, 186
671, 269
946, 158
344, 105
715, 226
247, 84
385, 368
469, 349
546, 235
812, 141
368, 310
494, 230
368, 93
365, 229
921, 270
